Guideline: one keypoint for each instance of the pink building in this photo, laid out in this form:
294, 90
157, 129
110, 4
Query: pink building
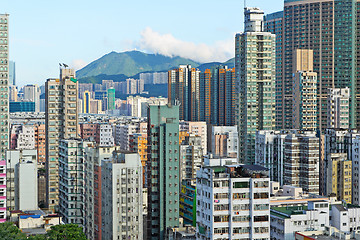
2, 191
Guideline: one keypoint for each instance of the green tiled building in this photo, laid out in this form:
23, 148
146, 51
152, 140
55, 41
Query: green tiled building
163, 170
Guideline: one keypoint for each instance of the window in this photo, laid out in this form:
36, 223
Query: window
241, 185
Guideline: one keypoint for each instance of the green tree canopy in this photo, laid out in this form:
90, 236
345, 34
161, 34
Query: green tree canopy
10, 232
66, 232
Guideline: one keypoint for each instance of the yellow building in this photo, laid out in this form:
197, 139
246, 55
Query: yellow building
182, 136
138, 143
339, 177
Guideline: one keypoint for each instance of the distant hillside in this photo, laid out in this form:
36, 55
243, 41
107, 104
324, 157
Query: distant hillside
130, 64
99, 78
229, 64
120, 66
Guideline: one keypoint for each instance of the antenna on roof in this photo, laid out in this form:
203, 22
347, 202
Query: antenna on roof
244, 4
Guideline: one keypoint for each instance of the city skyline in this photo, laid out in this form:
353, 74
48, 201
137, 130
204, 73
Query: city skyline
38, 50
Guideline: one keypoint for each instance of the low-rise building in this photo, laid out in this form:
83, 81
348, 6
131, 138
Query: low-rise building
285, 221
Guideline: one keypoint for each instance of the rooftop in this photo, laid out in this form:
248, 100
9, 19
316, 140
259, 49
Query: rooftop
237, 171
286, 212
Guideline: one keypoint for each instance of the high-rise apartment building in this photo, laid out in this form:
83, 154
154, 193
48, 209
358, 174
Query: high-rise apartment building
32, 94
104, 134
40, 144
274, 23
233, 202
61, 122
13, 93
301, 161
336, 141
12, 73
26, 187
269, 153
83, 87
355, 157
255, 74
204, 96
183, 87
86, 102
111, 99
339, 177
329, 28
163, 169
217, 96
121, 198
93, 156
138, 144
4, 106
198, 129
223, 141
304, 91
13, 159
191, 157
71, 180
338, 108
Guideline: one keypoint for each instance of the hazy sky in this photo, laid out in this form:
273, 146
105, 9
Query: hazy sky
77, 32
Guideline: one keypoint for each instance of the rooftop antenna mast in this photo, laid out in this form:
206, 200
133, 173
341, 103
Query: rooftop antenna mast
244, 4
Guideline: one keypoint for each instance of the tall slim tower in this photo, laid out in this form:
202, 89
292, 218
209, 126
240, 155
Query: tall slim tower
163, 169
274, 23
4, 106
12, 73
255, 73
183, 87
111, 98
61, 119
304, 91
86, 102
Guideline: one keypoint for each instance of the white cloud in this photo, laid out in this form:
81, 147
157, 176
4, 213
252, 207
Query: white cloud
78, 64
168, 45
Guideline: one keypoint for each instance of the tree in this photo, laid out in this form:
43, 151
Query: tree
37, 237
10, 232
66, 232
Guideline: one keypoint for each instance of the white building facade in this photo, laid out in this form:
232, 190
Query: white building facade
233, 203
122, 210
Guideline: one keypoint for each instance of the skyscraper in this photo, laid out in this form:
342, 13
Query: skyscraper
12, 73
274, 23
204, 96
163, 169
111, 99
304, 91
4, 107
32, 94
255, 73
86, 102
183, 87
61, 121
124, 170
328, 27
217, 96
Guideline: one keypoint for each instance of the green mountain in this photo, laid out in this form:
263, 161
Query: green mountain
130, 63
229, 64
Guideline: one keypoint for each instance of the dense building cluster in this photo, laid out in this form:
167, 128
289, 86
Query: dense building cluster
266, 150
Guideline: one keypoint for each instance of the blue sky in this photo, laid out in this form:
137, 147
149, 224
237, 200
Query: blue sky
44, 33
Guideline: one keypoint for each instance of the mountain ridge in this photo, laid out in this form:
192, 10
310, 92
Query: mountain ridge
131, 63
119, 66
